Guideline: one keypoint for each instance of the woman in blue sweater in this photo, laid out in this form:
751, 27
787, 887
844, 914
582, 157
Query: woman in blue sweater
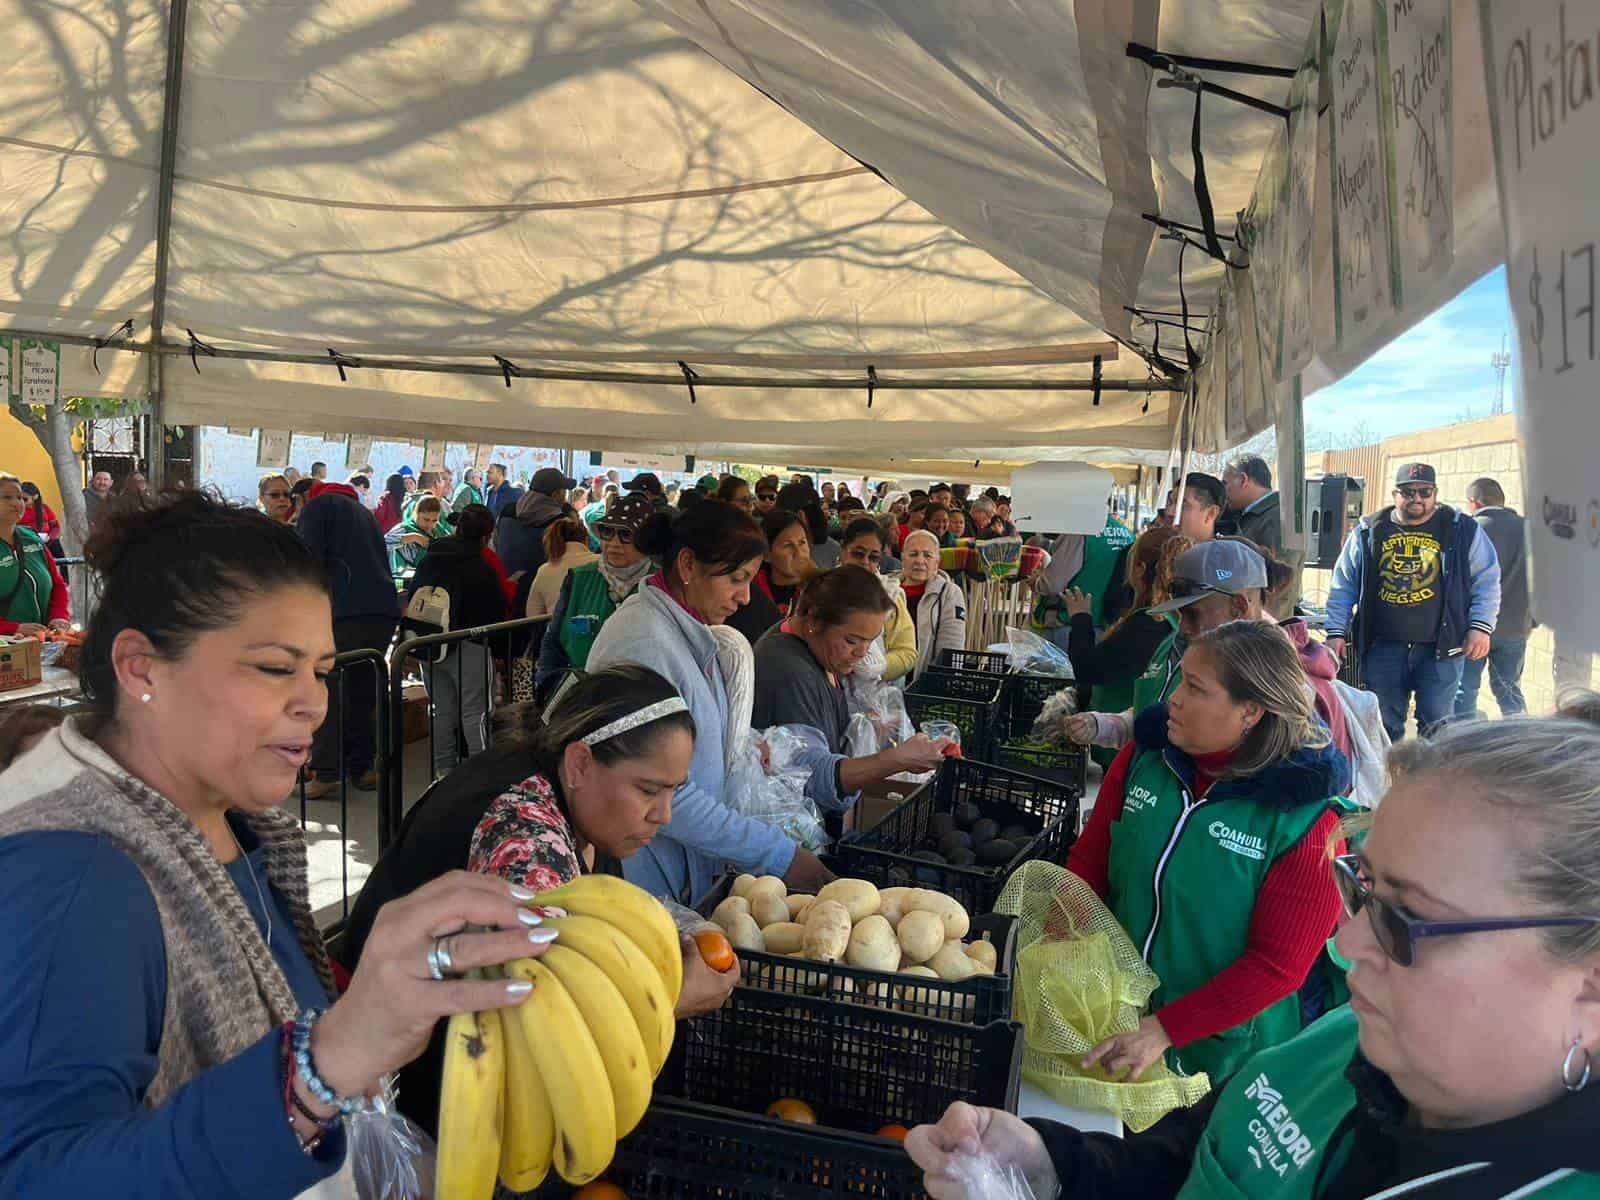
169, 1025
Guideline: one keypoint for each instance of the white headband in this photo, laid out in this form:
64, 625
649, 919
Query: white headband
650, 712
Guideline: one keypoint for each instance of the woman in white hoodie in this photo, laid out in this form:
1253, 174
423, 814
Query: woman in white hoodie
935, 601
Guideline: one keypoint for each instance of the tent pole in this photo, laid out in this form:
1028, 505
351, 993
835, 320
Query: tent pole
177, 22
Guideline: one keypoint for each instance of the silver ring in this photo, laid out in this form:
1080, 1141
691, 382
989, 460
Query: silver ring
440, 965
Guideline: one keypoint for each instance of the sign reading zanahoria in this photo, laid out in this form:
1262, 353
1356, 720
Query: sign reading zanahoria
1542, 65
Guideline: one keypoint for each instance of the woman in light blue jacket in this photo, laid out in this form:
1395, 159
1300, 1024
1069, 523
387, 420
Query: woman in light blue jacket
709, 555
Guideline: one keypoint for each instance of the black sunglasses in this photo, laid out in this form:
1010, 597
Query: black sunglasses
609, 532
1397, 931
1416, 493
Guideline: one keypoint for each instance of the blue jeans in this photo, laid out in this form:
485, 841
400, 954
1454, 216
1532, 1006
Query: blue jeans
1394, 671
1505, 678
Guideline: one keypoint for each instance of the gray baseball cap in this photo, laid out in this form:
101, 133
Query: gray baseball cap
1222, 566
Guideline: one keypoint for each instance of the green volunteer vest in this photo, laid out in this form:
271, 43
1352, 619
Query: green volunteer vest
1184, 876
1160, 678
588, 606
1271, 1132
1100, 552
444, 528
27, 581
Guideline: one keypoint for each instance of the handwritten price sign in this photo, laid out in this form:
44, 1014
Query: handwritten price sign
1421, 127
1361, 239
1542, 59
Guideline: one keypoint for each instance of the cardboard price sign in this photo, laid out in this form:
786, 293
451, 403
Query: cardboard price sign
1542, 62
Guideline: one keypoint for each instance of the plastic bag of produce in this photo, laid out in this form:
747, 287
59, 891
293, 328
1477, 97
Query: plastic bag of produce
768, 780
981, 1178
1079, 979
388, 1154
1033, 655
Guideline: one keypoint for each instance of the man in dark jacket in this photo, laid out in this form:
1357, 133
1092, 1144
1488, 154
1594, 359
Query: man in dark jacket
345, 539
1486, 500
1417, 591
519, 531
501, 492
1254, 513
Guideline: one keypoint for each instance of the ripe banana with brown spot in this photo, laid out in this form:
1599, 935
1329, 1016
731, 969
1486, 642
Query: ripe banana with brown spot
615, 1032
471, 1106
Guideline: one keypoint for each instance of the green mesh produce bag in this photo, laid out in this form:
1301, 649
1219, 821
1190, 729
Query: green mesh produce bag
1079, 979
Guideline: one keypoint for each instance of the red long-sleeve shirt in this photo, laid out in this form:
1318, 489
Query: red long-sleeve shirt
1294, 915
506, 585
60, 597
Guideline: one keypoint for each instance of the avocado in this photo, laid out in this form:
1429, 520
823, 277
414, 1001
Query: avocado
961, 857
932, 856
1016, 833
940, 824
997, 852
968, 814
956, 840
985, 831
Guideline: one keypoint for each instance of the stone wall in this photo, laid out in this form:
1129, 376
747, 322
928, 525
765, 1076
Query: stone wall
1459, 454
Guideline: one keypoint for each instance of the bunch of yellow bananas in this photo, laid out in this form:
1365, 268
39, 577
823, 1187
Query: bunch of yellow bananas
526, 1087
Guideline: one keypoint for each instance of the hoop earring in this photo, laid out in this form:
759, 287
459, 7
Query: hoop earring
1568, 1067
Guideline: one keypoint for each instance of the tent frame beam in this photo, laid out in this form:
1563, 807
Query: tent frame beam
345, 363
177, 28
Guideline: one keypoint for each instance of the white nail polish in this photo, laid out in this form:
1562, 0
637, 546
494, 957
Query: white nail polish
543, 937
519, 892
529, 918
519, 988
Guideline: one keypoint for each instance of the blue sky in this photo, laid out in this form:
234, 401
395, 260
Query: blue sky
1432, 375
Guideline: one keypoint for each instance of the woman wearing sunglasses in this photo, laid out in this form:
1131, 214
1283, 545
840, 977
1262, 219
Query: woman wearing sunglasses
1461, 1069
591, 591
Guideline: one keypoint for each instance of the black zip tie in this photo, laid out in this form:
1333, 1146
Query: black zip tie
1193, 358
1152, 317
116, 335
1202, 197
872, 383
508, 368
689, 376
1096, 381
197, 348
342, 361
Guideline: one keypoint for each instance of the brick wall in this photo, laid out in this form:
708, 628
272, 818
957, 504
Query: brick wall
1459, 454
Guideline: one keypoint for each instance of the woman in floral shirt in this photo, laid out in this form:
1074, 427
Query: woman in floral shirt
588, 788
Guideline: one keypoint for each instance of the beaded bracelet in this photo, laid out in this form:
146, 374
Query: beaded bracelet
311, 1144
348, 1106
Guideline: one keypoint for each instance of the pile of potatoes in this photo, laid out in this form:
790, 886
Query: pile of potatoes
913, 931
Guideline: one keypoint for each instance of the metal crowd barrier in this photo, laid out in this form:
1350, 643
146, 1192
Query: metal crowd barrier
502, 644
338, 703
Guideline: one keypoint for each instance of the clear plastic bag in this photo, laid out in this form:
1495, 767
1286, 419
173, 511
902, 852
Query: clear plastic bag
1051, 723
1034, 655
878, 718
389, 1156
769, 777
981, 1178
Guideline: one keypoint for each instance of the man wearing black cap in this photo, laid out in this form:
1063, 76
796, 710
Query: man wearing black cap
766, 495
649, 484
1415, 593
519, 533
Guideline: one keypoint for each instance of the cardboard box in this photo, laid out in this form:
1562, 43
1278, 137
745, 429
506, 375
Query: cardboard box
20, 664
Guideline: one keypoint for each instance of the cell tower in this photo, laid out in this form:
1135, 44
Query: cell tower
1501, 359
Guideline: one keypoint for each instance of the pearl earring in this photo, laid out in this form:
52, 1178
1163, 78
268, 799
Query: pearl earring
145, 699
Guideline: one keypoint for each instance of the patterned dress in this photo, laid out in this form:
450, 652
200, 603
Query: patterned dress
525, 837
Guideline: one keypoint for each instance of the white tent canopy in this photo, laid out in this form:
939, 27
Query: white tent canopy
782, 192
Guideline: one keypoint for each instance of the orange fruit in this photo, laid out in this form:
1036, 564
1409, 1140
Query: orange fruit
715, 949
790, 1109
600, 1189
897, 1132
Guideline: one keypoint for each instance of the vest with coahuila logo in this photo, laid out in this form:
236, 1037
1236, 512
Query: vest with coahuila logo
1183, 879
1282, 1129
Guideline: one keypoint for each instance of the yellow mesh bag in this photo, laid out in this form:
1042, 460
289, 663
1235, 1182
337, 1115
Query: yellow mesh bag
1079, 979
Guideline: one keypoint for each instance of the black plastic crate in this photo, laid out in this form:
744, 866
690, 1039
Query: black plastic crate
977, 1001
1015, 746
968, 700
885, 854
859, 1066
984, 661
687, 1151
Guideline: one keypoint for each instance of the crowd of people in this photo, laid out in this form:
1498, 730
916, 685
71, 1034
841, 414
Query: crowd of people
142, 838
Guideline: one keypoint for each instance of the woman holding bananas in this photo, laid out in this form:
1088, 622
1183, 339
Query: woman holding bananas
170, 1021
588, 788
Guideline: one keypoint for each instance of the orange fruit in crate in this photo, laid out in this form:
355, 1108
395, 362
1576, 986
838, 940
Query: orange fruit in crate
715, 949
790, 1109
897, 1132
600, 1189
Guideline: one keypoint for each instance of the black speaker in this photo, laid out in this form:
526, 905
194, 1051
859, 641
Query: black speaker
1333, 506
